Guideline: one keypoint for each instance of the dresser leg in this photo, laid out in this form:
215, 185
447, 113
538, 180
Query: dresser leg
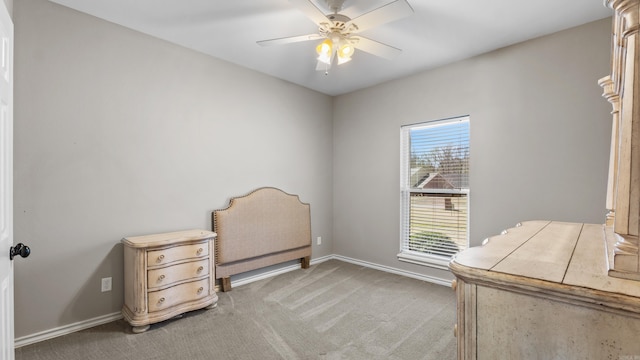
212, 306
140, 329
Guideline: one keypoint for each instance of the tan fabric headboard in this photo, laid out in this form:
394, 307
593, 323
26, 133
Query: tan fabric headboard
265, 227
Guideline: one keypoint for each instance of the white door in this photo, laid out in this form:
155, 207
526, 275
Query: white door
6, 183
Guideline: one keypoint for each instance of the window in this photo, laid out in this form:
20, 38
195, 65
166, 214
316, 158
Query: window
434, 191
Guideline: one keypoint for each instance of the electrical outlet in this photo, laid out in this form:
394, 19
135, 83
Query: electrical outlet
319, 240
106, 284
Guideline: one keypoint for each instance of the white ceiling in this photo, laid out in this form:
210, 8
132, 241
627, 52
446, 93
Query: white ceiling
439, 32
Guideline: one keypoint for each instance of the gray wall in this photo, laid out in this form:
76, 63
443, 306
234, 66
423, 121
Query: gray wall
540, 134
120, 134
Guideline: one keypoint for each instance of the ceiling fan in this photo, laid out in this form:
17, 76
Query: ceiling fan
339, 33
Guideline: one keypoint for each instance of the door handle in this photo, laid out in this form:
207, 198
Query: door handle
20, 249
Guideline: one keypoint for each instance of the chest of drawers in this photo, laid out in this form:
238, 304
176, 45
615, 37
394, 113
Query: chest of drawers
166, 275
541, 291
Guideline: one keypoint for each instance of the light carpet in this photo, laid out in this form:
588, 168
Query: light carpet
333, 310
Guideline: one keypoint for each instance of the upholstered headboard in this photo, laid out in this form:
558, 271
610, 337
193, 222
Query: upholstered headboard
265, 227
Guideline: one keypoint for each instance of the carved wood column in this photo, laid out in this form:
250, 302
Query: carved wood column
612, 96
622, 89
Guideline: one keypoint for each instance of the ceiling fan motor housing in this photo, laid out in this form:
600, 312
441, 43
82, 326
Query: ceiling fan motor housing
339, 21
338, 25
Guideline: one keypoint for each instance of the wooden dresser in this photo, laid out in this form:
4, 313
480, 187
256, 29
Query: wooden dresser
166, 275
541, 291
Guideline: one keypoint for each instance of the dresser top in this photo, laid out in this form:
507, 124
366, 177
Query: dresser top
168, 238
556, 256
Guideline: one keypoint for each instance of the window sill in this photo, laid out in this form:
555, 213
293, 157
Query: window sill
437, 262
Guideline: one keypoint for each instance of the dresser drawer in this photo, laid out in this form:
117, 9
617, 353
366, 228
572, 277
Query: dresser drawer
166, 256
159, 300
175, 273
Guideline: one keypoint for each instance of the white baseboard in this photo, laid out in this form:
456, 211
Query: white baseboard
410, 274
86, 324
388, 269
66, 329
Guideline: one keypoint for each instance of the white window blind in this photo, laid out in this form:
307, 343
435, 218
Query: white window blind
434, 183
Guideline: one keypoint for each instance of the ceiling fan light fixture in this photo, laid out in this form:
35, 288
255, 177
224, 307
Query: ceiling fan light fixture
342, 60
325, 47
325, 59
325, 51
345, 52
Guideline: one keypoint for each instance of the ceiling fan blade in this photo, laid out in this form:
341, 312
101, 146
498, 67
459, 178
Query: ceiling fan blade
312, 12
390, 12
289, 40
376, 48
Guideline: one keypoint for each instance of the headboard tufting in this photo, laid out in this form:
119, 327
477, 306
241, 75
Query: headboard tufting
265, 227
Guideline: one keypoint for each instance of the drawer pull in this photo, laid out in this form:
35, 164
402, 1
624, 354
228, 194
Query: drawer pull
160, 258
161, 277
200, 289
455, 330
160, 301
200, 269
200, 251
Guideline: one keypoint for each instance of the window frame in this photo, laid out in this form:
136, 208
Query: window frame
406, 191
